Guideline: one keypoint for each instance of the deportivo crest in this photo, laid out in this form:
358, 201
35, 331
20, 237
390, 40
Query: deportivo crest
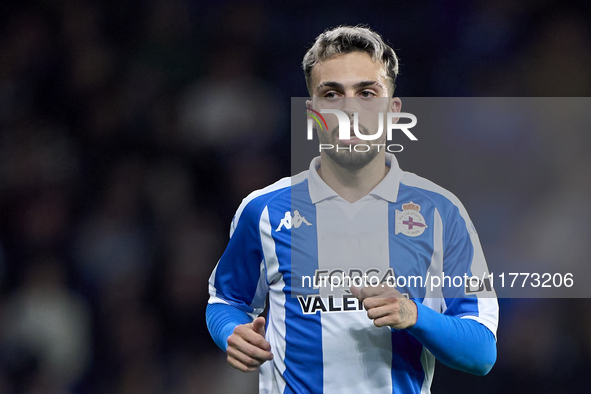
410, 222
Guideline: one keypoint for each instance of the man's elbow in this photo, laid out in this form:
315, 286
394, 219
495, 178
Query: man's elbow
479, 361
483, 369
484, 363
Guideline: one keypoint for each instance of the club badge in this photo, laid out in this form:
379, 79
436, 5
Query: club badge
410, 222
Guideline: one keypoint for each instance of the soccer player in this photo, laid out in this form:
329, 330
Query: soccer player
360, 215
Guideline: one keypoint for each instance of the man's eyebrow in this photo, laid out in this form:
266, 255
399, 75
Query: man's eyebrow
365, 84
362, 84
330, 84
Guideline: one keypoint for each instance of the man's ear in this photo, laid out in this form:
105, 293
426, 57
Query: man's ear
308, 107
395, 105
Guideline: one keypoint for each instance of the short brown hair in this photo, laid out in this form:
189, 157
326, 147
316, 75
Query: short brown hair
346, 39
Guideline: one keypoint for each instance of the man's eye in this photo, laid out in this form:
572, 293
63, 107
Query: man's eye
367, 93
331, 95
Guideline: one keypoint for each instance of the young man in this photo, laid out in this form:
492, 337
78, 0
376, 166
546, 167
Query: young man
356, 213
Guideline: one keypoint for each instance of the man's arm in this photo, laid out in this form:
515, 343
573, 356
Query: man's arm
238, 284
463, 344
242, 339
221, 321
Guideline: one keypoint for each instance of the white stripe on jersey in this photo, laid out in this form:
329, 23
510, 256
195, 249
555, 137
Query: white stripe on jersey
351, 244
270, 375
260, 297
213, 298
428, 363
434, 296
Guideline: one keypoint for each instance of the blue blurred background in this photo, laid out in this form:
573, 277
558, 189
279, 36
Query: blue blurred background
120, 171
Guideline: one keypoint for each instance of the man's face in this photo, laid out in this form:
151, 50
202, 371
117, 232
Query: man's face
352, 83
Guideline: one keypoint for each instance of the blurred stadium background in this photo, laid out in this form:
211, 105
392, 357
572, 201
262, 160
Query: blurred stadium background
120, 171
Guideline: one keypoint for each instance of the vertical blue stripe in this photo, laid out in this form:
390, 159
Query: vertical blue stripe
407, 370
242, 259
303, 354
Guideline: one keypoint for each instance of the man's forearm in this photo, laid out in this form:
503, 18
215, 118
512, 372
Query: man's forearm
221, 321
463, 344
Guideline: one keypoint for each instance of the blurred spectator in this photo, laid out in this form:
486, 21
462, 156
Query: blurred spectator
34, 154
558, 60
229, 107
111, 243
48, 324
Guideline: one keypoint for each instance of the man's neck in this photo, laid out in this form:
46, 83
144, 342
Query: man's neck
353, 185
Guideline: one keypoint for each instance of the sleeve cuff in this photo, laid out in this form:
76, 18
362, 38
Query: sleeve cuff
221, 320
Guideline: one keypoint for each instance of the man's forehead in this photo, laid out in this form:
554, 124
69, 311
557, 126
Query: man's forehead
348, 68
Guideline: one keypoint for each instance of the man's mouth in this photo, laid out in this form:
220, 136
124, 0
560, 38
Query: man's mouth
353, 139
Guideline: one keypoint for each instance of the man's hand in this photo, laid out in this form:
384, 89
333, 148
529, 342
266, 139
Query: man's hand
247, 347
386, 306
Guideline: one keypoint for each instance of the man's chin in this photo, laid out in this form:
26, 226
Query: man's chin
352, 161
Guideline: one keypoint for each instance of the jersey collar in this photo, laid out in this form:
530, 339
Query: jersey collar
387, 189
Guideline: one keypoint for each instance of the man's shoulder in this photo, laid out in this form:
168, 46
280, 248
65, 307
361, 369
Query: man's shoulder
439, 196
276, 190
280, 191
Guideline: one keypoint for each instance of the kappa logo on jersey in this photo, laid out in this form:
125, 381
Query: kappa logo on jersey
410, 222
296, 221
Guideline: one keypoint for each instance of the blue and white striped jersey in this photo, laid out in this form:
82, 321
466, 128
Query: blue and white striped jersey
322, 340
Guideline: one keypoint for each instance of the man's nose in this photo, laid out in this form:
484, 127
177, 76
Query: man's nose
350, 106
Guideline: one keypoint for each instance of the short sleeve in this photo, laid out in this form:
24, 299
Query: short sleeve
239, 278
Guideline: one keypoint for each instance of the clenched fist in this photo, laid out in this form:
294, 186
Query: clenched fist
386, 306
247, 347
